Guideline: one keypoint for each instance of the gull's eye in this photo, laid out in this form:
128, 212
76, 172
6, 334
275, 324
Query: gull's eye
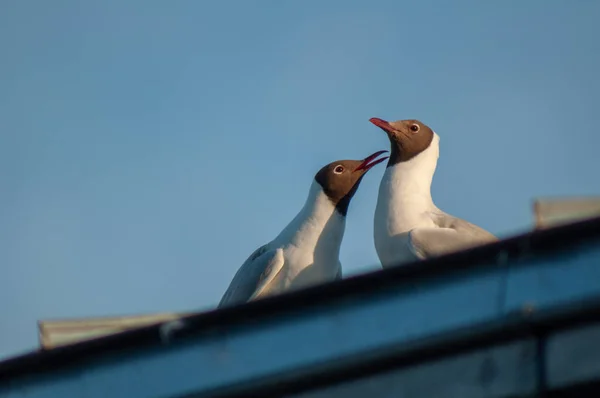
338, 169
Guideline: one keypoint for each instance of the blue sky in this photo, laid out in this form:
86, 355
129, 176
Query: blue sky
147, 148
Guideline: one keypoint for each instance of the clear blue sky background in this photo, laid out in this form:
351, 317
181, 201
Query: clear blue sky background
148, 147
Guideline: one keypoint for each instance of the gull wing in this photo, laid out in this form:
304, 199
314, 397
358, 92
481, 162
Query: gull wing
254, 276
431, 242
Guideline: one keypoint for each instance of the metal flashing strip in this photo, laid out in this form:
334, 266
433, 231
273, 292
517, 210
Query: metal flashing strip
500, 371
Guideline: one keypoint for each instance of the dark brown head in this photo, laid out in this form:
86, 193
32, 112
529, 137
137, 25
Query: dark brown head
408, 138
340, 179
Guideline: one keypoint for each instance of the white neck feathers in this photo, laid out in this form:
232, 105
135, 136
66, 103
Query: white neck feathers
412, 179
317, 220
405, 192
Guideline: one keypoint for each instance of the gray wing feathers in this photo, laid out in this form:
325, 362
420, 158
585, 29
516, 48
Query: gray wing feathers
444, 220
453, 235
431, 242
262, 266
271, 263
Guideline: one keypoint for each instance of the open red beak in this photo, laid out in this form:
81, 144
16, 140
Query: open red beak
382, 124
370, 161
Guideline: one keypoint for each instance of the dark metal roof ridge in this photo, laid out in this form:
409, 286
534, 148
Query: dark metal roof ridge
537, 242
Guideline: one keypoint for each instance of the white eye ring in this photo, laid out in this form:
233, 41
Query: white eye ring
339, 169
415, 128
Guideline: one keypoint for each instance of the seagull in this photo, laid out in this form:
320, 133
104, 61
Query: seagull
407, 224
306, 251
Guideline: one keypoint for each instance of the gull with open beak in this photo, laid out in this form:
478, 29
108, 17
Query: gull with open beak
306, 251
408, 226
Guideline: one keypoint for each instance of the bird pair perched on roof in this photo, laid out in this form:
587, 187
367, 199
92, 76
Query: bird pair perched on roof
407, 226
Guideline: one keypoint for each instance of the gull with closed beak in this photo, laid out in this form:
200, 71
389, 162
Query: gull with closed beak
408, 226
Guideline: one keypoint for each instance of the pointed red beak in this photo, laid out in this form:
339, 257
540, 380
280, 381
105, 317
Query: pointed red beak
382, 124
368, 162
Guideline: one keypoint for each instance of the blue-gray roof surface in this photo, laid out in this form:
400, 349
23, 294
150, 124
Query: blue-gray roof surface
307, 333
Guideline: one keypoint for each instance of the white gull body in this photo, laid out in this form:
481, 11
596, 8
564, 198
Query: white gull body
408, 226
306, 252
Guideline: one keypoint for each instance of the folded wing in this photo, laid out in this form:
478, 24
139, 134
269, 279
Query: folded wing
255, 276
432, 242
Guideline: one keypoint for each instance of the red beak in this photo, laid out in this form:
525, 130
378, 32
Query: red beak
367, 164
382, 124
